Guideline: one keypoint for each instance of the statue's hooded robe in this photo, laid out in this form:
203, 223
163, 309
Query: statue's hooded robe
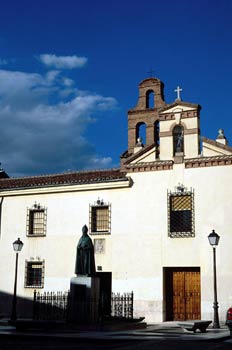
85, 264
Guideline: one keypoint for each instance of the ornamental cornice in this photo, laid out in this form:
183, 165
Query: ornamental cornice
202, 162
149, 166
184, 115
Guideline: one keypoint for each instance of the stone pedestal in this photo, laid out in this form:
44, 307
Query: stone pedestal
179, 157
84, 299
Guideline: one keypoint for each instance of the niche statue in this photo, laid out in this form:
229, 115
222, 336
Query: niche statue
85, 264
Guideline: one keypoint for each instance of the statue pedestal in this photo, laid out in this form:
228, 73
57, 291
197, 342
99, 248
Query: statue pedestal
179, 157
84, 299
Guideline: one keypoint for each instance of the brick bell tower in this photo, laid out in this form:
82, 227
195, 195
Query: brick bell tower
170, 131
150, 101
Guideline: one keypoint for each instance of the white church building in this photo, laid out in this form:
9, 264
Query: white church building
149, 220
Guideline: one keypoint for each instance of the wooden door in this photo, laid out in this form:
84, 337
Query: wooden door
186, 295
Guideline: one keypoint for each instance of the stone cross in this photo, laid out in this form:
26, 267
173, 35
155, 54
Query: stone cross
178, 91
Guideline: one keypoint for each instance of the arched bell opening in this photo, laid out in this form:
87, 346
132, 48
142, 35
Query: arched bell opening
150, 99
141, 130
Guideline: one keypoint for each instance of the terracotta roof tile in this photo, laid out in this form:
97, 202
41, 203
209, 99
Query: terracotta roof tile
139, 153
217, 144
72, 178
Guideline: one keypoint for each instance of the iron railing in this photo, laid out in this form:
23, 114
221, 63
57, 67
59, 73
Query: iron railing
122, 305
57, 306
51, 306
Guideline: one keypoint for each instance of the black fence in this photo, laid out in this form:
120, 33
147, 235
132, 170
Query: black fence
122, 305
51, 306
57, 306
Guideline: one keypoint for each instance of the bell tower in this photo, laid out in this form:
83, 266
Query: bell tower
146, 112
160, 131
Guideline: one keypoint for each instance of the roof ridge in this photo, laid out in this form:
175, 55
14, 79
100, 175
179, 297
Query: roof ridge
63, 174
140, 152
203, 158
83, 177
216, 143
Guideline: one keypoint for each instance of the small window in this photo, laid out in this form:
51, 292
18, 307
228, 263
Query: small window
100, 218
36, 221
34, 274
181, 213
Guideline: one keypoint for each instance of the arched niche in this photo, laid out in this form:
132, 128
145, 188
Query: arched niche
178, 139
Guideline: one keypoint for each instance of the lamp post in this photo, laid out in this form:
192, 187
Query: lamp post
17, 245
213, 238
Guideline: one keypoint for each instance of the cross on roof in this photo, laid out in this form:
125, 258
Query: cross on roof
178, 91
151, 72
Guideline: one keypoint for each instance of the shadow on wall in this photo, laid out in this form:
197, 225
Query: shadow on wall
24, 306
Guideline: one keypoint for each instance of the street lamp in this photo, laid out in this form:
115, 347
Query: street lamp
213, 238
17, 245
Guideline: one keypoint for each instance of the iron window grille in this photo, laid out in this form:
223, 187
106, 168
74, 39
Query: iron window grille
34, 274
181, 214
36, 221
100, 218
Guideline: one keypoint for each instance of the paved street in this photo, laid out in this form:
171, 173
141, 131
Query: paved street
163, 336
159, 344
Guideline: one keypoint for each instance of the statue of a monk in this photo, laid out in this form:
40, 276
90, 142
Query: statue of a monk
85, 264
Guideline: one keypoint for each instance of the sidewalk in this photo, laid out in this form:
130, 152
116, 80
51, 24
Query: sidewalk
150, 332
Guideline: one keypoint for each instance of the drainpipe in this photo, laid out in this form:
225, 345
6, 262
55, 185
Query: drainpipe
1, 201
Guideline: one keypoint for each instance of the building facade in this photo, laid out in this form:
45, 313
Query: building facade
149, 219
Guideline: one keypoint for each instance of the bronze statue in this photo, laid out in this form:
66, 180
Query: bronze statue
85, 264
179, 142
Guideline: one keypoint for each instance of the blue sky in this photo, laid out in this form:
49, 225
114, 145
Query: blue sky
69, 72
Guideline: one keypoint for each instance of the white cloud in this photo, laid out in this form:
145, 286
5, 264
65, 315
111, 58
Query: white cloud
68, 82
43, 121
101, 162
52, 75
63, 62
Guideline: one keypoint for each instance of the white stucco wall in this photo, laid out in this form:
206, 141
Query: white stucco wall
138, 247
150, 248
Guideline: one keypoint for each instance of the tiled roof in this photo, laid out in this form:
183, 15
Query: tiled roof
139, 153
217, 144
72, 178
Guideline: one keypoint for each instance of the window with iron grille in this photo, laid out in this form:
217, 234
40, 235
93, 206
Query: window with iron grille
181, 221
36, 221
100, 218
34, 274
